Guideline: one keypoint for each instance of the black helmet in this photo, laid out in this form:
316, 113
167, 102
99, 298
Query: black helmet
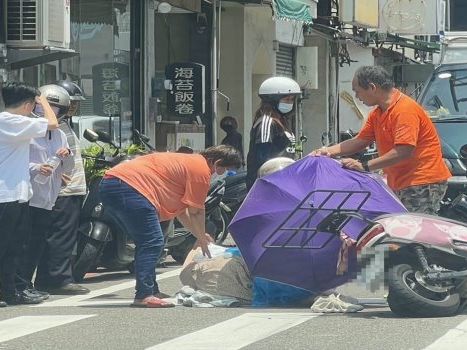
229, 123
73, 89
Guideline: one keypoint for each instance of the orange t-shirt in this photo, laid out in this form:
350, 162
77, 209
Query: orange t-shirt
170, 181
405, 122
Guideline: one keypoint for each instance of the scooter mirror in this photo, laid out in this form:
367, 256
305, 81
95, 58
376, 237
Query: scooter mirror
463, 151
144, 138
185, 149
104, 136
90, 135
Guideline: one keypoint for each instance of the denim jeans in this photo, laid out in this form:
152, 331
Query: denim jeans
140, 221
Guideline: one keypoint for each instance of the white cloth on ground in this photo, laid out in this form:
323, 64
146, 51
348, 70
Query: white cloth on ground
187, 296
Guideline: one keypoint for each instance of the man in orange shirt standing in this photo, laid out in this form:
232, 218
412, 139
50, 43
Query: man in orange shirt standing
408, 145
158, 187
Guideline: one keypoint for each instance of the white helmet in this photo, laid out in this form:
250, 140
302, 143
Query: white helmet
57, 97
279, 86
273, 165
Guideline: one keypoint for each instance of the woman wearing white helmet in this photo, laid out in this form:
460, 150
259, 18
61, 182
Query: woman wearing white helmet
271, 135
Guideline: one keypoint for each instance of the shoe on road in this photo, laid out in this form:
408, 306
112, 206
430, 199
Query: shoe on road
3, 304
151, 302
23, 298
43, 295
334, 303
69, 289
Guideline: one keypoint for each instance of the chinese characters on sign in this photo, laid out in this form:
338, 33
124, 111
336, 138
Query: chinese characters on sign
186, 97
110, 84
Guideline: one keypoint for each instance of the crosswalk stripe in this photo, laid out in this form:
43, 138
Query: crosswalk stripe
237, 332
81, 300
24, 325
454, 339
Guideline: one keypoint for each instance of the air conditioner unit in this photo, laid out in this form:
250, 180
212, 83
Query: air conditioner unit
37, 23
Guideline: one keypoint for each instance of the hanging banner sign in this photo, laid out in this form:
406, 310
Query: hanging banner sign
186, 85
110, 82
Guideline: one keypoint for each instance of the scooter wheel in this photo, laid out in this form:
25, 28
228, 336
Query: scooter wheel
87, 258
409, 298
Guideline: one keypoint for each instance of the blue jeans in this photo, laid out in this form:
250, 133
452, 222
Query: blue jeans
140, 221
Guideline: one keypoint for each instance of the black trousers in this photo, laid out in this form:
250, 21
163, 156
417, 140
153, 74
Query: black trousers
39, 223
54, 268
13, 234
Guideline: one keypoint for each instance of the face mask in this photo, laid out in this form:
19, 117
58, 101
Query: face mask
285, 107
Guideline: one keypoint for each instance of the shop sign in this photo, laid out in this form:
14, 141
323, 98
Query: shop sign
110, 82
186, 85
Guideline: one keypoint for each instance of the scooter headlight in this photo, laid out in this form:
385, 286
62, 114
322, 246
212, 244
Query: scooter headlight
98, 211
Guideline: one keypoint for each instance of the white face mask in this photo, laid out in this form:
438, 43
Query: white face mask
285, 107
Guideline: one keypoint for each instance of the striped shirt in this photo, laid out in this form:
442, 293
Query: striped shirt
77, 186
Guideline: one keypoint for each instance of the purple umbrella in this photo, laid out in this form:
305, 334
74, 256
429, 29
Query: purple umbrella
286, 227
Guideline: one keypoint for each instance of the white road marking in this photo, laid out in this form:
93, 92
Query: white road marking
84, 300
24, 325
236, 333
454, 339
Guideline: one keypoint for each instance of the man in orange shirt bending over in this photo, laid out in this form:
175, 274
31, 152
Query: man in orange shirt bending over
159, 187
408, 145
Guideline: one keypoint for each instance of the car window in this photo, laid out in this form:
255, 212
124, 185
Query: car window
446, 93
455, 55
453, 133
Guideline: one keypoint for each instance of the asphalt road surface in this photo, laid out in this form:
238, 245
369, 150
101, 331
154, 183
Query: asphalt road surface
104, 320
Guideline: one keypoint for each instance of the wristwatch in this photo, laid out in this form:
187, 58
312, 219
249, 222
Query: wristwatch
365, 166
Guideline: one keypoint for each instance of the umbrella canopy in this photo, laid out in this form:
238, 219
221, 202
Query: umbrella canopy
286, 227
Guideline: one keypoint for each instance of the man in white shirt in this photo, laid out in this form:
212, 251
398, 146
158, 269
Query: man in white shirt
17, 129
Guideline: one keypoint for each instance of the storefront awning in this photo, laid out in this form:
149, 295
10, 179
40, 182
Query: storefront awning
22, 58
292, 10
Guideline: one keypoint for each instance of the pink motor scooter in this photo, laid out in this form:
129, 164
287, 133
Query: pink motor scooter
425, 260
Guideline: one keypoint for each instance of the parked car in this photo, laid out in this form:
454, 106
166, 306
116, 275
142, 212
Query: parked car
444, 96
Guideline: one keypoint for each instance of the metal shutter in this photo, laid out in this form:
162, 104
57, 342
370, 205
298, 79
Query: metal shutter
285, 61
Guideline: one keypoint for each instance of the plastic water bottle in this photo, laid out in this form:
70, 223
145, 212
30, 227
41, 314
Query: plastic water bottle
54, 162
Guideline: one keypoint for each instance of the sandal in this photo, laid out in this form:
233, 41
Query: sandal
151, 302
161, 295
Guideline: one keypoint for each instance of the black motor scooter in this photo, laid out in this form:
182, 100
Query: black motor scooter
100, 242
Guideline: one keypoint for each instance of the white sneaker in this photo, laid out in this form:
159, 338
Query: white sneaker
333, 303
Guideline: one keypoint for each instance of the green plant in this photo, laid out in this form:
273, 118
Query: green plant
91, 171
90, 154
